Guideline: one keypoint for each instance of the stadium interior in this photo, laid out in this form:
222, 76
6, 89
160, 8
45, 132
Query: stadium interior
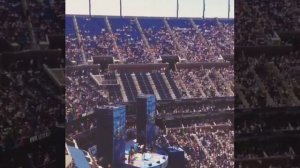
180, 61
223, 86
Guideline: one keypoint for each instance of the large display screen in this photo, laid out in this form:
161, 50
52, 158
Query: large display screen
150, 126
119, 121
151, 106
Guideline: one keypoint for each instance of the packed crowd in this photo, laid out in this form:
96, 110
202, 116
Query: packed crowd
207, 45
205, 144
91, 45
96, 40
38, 108
130, 44
39, 155
206, 82
132, 47
160, 40
270, 151
205, 107
256, 123
194, 47
256, 127
273, 153
13, 25
259, 20
247, 84
287, 65
78, 127
43, 156
82, 94
47, 17
73, 52
201, 142
267, 81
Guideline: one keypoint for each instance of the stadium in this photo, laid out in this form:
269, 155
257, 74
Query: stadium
173, 83
185, 63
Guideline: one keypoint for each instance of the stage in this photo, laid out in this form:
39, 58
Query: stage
144, 160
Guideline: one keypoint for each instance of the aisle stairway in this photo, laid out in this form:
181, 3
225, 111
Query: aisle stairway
173, 85
145, 40
153, 86
144, 83
161, 86
79, 39
114, 39
214, 86
136, 84
241, 96
195, 78
168, 85
270, 101
123, 93
177, 45
220, 76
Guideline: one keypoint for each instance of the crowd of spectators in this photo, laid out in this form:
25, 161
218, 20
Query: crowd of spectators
266, 81
266, 121
259, 20
13, 25
91, 43
205, 144
43, 156
254, 127
47, 17
38, 109
209, 45
78, 127
40, 155
206, 82
267, 152
129, 40
31, 105
287, 68
160, 41
270, 153
73, 52
82, 94
189, 108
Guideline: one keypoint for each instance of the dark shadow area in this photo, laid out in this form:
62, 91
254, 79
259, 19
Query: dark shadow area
267, 84
32, 108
